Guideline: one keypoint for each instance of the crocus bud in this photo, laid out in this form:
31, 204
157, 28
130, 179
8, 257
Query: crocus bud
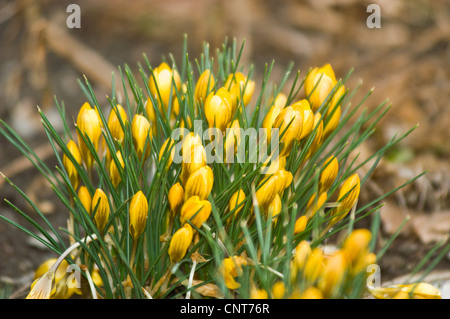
151, 115
275, 184
101, 209
239, 86
205, 85
89, 125
348, 195
300, 224
235, 202
117, 118
218, 109
256, 293
333, 114
189, 141
333, 274
162, 81
329, 173
180, 242
289, 123
267, 190
313, 206
141, 134
274, 208
285, 179
314, 265
114, 173
193, 159
167, 150
356, 244
318, 137
138, 214
302, 252
318, 84
195, 210
69, 166
269, 119
304, 108
273, 165
311, 293
200, 183
278, 290
176, 197
85, 199
231, 268
232, 141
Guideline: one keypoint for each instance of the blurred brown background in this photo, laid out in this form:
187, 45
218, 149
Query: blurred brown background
407, 61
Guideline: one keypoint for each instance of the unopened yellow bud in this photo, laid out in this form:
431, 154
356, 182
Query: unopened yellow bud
89, 125
280, 101
85, 199
269, 188
318, 84
204, 86
168, 150
302, 252
313, 206
356, 244
266, 191
314, 265
348, 195
274, 208
333, 114
304, 108
162, 81
70, 168
256, 293
141, 134
218, 109
193, 159
200, 183
274, 165
231, 268
363, 262
195, 210
235, 203
117, 118
269, 119
138, 214
290, 124
114, 173
329, 173
300, 224
232, 141
176, 197
311, 293
180, 243
189, 141
278, 290
318, 135
284, 179
151, 115
101, 209
333, 274
238, 85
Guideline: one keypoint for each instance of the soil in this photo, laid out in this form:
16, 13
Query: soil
406, 60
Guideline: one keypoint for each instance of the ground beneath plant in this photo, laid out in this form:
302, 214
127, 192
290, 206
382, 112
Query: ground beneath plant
405, 61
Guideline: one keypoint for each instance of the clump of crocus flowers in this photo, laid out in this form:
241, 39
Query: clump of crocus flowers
159, 209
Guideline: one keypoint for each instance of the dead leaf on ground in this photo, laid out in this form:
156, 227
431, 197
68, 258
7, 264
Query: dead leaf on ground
432, 227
